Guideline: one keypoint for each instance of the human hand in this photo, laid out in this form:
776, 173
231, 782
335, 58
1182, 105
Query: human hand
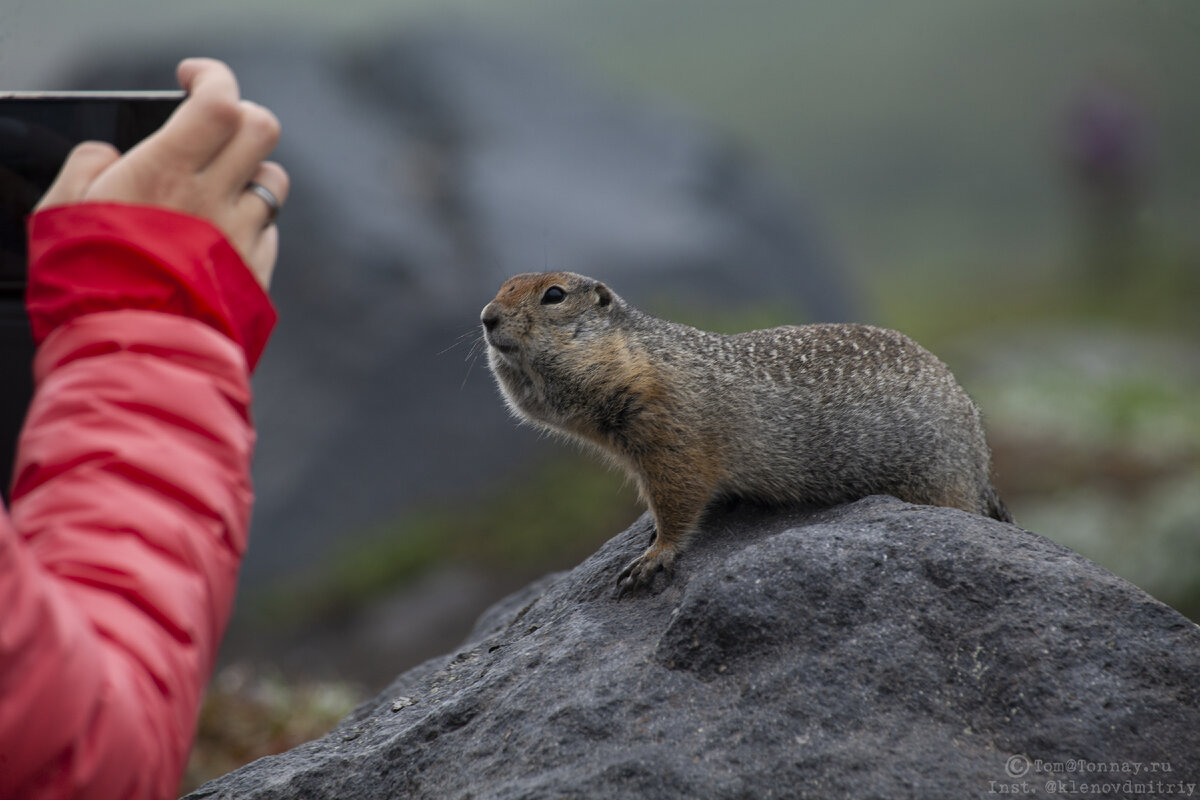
200, 162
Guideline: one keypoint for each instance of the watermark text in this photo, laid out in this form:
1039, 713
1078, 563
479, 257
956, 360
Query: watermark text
1078, 776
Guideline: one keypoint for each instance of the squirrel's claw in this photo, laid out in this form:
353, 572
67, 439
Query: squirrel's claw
641, 570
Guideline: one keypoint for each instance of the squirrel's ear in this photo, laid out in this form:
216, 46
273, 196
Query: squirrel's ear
604, 296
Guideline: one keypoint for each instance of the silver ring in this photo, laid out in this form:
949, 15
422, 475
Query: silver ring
268, 197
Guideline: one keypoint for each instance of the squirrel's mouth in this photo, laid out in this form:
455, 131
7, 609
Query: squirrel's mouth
499, 344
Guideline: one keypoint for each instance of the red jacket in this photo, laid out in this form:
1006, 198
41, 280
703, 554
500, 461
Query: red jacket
131, 498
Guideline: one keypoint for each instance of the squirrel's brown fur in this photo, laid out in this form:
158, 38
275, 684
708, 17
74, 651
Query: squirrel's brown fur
810, 414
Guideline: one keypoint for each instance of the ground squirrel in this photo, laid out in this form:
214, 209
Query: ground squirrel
809, 414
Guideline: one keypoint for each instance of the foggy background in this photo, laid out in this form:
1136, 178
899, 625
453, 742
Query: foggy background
924, 132
1016, 185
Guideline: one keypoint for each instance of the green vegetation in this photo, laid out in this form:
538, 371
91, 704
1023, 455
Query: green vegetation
1096, 435
248, 714
548, 519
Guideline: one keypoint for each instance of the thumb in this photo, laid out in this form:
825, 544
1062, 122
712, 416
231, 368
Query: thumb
85, 163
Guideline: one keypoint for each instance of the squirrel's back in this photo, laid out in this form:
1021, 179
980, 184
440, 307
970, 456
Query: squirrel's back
826, 413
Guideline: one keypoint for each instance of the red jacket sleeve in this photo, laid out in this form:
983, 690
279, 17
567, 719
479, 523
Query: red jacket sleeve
131, 499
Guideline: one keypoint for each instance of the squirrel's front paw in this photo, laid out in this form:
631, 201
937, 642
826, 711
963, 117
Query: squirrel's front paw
641, 570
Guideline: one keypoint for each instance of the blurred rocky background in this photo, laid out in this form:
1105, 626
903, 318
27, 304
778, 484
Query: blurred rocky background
1015, 185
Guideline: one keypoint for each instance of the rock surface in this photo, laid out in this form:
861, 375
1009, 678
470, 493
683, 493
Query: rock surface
876, 649
427, 167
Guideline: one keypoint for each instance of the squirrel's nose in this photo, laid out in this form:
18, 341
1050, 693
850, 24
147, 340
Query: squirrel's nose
489, 318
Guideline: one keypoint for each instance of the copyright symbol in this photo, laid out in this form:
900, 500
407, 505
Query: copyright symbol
1016, 766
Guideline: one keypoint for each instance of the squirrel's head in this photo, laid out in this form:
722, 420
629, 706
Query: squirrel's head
535, 326
545, 311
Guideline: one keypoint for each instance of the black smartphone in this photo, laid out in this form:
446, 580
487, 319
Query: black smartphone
37, 131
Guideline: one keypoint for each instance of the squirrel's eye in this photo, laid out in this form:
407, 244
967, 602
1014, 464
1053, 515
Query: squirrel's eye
554, 294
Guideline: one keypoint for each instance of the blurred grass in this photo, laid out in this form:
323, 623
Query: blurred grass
248, 714
532, 522
939, 303
1093, 411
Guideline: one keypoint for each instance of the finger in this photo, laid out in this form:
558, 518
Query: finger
238, 162
274, 177
187, 70
256, 209
83, 165
253, 232
204, 122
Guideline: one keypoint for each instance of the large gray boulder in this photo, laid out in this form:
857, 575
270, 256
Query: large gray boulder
876, 649
426, 168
